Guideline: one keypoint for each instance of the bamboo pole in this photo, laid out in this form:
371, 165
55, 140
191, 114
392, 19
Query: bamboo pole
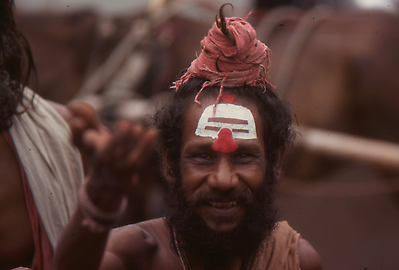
379, 153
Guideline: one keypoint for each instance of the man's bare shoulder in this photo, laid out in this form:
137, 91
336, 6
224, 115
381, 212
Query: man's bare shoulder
144, 235
309, 259
138, 243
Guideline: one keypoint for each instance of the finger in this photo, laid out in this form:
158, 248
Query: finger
77, 126
85, 112
124, 138
82, 117
143, 149
95, 141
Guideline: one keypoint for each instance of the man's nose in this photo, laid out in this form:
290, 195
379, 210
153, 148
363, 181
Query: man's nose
223, 176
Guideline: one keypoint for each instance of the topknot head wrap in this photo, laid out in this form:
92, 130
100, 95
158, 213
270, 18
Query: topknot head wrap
231, 56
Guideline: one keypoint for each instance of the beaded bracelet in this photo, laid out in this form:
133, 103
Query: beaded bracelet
95, 219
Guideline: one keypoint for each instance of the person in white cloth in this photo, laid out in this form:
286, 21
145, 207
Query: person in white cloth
40, 170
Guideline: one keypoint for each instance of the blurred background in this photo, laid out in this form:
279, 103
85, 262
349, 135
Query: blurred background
335, 61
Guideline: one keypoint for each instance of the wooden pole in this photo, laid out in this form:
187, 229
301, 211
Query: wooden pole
380, 153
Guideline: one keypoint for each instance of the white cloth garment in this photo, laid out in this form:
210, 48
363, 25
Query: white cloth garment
52, 164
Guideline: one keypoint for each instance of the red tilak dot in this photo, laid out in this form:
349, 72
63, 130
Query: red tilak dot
227, 98
224, 142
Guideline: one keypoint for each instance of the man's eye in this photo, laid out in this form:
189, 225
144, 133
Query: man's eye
242, 156
203, 156
202, 159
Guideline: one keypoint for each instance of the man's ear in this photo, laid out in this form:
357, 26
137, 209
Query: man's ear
278, 167
168, 172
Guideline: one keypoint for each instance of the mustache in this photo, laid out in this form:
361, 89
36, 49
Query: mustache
241, 196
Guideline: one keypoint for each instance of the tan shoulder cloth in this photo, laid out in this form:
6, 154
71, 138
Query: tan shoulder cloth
280, 251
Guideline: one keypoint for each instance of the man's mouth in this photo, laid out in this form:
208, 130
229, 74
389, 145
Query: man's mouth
223, 205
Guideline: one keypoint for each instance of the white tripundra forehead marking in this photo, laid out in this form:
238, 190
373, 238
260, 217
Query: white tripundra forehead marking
237, 118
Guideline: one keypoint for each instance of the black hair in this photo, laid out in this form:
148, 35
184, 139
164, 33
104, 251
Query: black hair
16, 63
275, 114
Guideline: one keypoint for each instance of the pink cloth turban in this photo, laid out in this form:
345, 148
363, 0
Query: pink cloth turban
229, 60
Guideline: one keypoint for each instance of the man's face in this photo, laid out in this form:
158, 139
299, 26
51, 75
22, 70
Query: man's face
223, 161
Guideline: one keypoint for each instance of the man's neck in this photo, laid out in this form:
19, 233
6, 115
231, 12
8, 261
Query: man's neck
200, 258
228, 262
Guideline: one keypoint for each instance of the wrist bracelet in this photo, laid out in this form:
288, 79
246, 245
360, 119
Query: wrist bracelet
95, 219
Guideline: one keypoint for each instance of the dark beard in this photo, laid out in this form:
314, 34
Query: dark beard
211, 246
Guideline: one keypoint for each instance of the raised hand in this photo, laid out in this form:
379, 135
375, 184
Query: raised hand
114, 157
117, 159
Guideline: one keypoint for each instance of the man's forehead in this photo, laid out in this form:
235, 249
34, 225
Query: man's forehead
236, 118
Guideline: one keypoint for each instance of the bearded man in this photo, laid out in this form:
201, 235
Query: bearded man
223, 136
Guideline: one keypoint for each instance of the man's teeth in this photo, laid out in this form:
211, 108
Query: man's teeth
223, 204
